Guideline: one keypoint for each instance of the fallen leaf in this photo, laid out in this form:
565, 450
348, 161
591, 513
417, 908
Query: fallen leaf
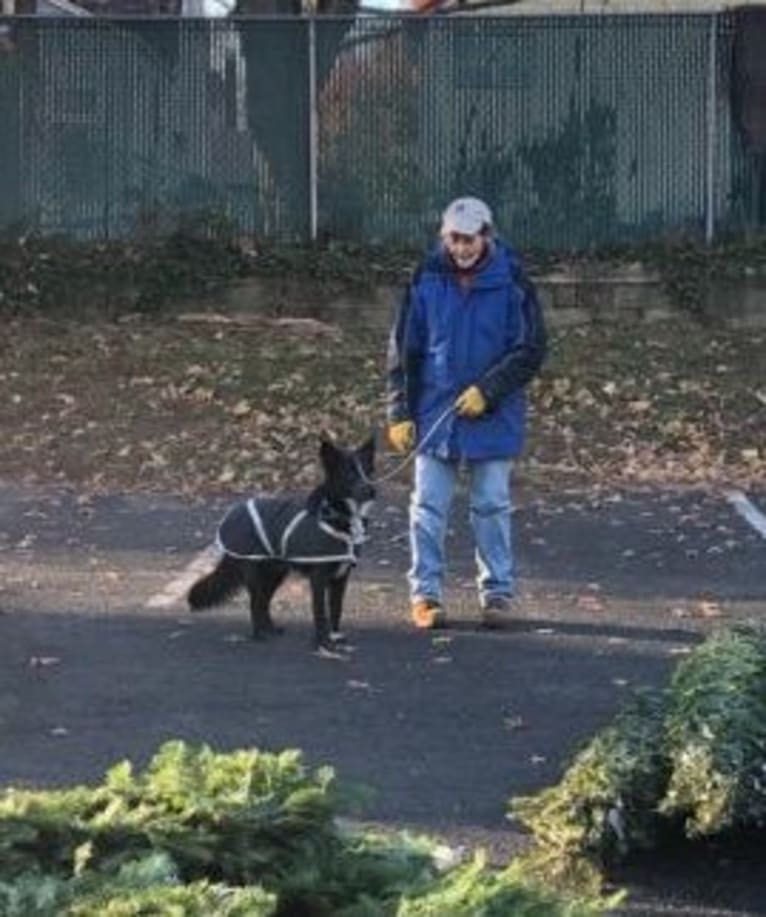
43, 661
590, 602
241, 408
640, 406
358, 685
709, 609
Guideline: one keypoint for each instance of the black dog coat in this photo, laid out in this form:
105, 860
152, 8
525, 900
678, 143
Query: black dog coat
281, 528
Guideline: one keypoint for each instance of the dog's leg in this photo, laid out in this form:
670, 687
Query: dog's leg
262, 582
319, 582
336, 590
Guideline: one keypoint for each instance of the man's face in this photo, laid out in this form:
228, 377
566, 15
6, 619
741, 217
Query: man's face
465, 250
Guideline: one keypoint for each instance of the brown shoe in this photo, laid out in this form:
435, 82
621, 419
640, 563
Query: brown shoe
427, 614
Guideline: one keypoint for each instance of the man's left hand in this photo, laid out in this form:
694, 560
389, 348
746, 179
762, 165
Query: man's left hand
471, 403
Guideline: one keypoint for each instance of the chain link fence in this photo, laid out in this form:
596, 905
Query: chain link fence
579, 130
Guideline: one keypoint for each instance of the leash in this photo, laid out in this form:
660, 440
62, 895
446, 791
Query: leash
411, 457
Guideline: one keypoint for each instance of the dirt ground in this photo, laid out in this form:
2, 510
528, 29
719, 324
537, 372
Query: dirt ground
122, 446
171, 405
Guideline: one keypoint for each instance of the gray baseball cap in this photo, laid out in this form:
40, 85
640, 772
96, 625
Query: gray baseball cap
467, 216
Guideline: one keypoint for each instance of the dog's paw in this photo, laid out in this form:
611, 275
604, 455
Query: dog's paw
339, 642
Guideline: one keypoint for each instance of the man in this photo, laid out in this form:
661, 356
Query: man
467, 339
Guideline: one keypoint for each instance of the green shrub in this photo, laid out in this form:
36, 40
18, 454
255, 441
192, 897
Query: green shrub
242, 833
57, 274
715, 735
144, 887
690, 758
605, 804
473, 890
237, 817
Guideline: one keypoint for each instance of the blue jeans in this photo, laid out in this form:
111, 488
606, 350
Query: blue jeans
490, 505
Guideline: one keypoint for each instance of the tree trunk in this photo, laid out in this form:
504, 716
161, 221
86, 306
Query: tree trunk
277, 60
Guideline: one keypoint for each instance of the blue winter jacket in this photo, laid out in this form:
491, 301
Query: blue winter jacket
447, 337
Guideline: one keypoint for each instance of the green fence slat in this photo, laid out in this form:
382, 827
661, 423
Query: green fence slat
579, 130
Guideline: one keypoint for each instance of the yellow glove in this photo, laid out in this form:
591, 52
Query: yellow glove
471, 403
401, 435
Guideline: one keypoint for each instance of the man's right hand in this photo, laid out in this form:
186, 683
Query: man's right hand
401, 435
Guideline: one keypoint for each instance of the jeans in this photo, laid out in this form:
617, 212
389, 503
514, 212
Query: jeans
490, 513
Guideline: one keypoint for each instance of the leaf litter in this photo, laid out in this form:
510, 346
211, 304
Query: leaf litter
158, 405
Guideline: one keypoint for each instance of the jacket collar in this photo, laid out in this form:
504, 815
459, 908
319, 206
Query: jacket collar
493, 271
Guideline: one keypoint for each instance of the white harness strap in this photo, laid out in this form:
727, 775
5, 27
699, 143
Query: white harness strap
225, 550
335, 533
290, 528
255, 516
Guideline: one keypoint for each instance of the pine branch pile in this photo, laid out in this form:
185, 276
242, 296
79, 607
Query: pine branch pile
715, 736
240, 834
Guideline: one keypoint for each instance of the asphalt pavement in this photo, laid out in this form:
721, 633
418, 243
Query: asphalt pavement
99, 659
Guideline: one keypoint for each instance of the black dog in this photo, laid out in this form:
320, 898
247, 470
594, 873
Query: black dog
318, 535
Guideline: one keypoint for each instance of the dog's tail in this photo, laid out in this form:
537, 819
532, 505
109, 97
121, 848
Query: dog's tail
217, 586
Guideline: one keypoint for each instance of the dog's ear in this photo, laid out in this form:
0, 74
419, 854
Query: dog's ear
366, 454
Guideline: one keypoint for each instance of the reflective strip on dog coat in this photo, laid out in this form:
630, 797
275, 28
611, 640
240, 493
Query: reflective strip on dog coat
281, 528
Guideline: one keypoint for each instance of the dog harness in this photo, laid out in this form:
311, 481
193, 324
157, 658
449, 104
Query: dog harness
281, 528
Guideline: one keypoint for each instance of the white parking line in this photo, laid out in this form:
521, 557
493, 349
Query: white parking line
748, 510
177, 588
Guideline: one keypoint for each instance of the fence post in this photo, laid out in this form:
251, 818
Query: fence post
313, 130
711, 131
